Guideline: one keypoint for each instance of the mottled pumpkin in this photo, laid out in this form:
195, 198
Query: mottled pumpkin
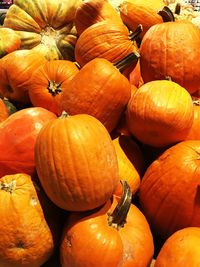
45, 26
9, 40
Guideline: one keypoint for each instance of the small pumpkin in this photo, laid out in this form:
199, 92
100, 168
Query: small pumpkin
45, 26
76, 162
160, 49
169, 192
130, 162
118, 231
16, 69
48, 82
145, 12
17, 139
25, 236
92, 89
181, 249
92, 11
10, 41
160, 113
106, 40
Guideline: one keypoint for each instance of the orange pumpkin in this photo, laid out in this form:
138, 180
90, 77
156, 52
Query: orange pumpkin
100, 90
169, 192
194, 133
104, 40
160, 52
76, 162
3, 111
118, 231
130, 162
10, 41
160, 113
181, 249
145, 12
25, 236
92, 11
16, 69
48, 82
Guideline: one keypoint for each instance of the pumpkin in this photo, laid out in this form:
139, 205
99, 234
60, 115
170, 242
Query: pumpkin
45, 26
145, 12
130, 162
17, 139
76, 162
160, 49
160, 113
3, 111
48, 82
25, 237
169, 192
92, 11
117, 234
181, 249
194, 133
15, 70
106, 40
92, 89
10, 41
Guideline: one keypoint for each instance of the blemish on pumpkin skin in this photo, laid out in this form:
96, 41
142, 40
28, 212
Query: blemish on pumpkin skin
68, 241
33, 201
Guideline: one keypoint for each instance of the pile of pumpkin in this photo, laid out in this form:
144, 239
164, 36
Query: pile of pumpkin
99, 135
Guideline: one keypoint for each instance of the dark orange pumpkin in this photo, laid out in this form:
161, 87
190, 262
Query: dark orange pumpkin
48, 82
100, 90
3, 111
170, 189
118, 231
76, 162
16, 69
92, 11
171, 49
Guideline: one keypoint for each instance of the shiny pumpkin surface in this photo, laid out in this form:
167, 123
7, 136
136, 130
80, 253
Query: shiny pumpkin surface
17, 139
25, 237
76, 162
45, 26
130, 246
170, 189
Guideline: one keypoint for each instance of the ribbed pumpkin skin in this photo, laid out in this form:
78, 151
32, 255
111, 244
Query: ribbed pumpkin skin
25, 237
169, 191
103, 40
45, 26
145, 12
100, 90
181, 249
130, 246
10, 41
160, 113
76, 162
160, 52
48, 82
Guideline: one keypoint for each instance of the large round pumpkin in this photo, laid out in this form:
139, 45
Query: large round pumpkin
181, 249
117, 234
25, 237
76, 162
45, 26
160, 113
172, 49
48, 82
17, 139
170, 191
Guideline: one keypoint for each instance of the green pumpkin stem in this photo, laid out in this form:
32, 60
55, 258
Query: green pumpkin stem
117, 218
166, 14
126, 61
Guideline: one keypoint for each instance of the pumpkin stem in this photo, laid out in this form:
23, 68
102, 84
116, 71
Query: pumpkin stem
166, 14
63, 115
196, 101
118, 217
168, 78
135, 34
54, 88
126, 61
8, 187
177, 9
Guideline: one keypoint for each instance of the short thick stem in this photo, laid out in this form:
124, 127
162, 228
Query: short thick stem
117, 218
128, 60
166, 14
54, 88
